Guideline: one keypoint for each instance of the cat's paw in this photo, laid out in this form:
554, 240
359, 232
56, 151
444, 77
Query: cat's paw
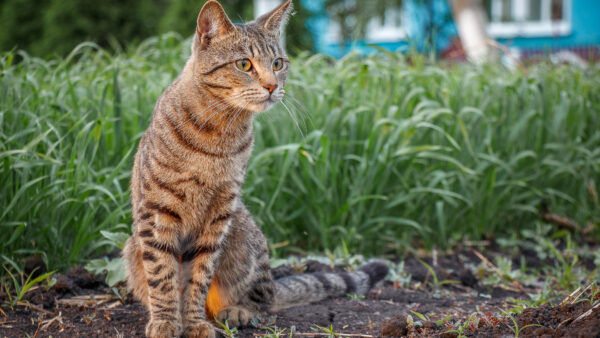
235, 316
199, 330
162, 329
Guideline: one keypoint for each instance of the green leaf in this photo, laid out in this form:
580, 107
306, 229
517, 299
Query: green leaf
118, 238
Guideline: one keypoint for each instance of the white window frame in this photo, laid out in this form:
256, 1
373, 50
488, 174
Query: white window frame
526, 28
376, 30
388, 30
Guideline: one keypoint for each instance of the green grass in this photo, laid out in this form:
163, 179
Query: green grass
385, 153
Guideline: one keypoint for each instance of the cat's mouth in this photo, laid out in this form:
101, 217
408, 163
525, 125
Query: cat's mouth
272, 99
259, 105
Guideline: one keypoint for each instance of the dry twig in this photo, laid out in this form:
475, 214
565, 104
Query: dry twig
35, 307
490, 264
91, 300
565, 323
38, 329
562, 222
572, 298
569, 297
49, 322
587, 313
516, 286
582, 292
3, 324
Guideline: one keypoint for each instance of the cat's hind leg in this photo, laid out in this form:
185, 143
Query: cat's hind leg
254, 297
242, 283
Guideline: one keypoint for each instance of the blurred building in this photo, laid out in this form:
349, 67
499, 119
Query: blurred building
527, 27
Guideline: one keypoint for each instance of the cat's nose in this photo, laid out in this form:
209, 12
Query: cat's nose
270, 87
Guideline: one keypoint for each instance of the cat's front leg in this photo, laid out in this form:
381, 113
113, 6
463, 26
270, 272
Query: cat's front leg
199, 259
160, 267
199, 264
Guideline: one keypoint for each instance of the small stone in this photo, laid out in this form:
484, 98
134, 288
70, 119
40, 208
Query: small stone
35, 266
467, 278
395, 327
63, 284
82, 278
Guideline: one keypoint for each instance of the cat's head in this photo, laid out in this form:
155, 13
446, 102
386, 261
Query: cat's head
243, 64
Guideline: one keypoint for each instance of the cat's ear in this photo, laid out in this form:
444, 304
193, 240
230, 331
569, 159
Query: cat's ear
277, 18
212, 23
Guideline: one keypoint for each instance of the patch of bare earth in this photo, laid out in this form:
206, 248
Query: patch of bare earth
79, 304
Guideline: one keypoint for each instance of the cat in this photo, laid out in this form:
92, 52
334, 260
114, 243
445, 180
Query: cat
195, 252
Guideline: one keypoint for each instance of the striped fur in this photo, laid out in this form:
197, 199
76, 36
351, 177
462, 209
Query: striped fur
307, 288
195, 248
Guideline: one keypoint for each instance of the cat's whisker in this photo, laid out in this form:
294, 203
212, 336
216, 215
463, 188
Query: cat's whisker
293, 118
300, 108
298, 113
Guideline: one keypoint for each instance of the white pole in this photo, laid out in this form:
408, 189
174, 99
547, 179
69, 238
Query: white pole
471, 23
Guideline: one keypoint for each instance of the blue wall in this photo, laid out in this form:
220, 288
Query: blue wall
585, 29
415, 26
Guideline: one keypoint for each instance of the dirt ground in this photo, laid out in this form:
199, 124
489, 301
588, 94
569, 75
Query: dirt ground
79, 304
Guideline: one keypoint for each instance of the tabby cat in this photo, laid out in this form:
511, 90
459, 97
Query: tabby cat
195, 253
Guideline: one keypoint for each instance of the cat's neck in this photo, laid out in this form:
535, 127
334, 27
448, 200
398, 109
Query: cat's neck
217, 121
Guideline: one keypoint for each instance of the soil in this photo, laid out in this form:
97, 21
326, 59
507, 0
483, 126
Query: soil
80, 304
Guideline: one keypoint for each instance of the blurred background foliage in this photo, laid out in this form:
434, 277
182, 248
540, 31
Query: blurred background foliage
353, 16
50, 27
379, 154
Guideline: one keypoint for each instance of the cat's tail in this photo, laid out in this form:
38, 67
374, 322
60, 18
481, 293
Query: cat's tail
311, 287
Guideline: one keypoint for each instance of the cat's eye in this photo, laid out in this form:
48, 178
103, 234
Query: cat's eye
244, 65
278, 64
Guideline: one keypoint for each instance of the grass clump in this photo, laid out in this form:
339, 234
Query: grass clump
380, 152
15, 283
68, 130
395, 153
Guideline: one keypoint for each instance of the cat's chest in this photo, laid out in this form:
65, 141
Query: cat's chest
210, 198
216, 177
218, 169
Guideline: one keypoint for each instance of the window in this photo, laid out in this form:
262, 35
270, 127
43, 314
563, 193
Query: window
512, 18
387, 29
378, 28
